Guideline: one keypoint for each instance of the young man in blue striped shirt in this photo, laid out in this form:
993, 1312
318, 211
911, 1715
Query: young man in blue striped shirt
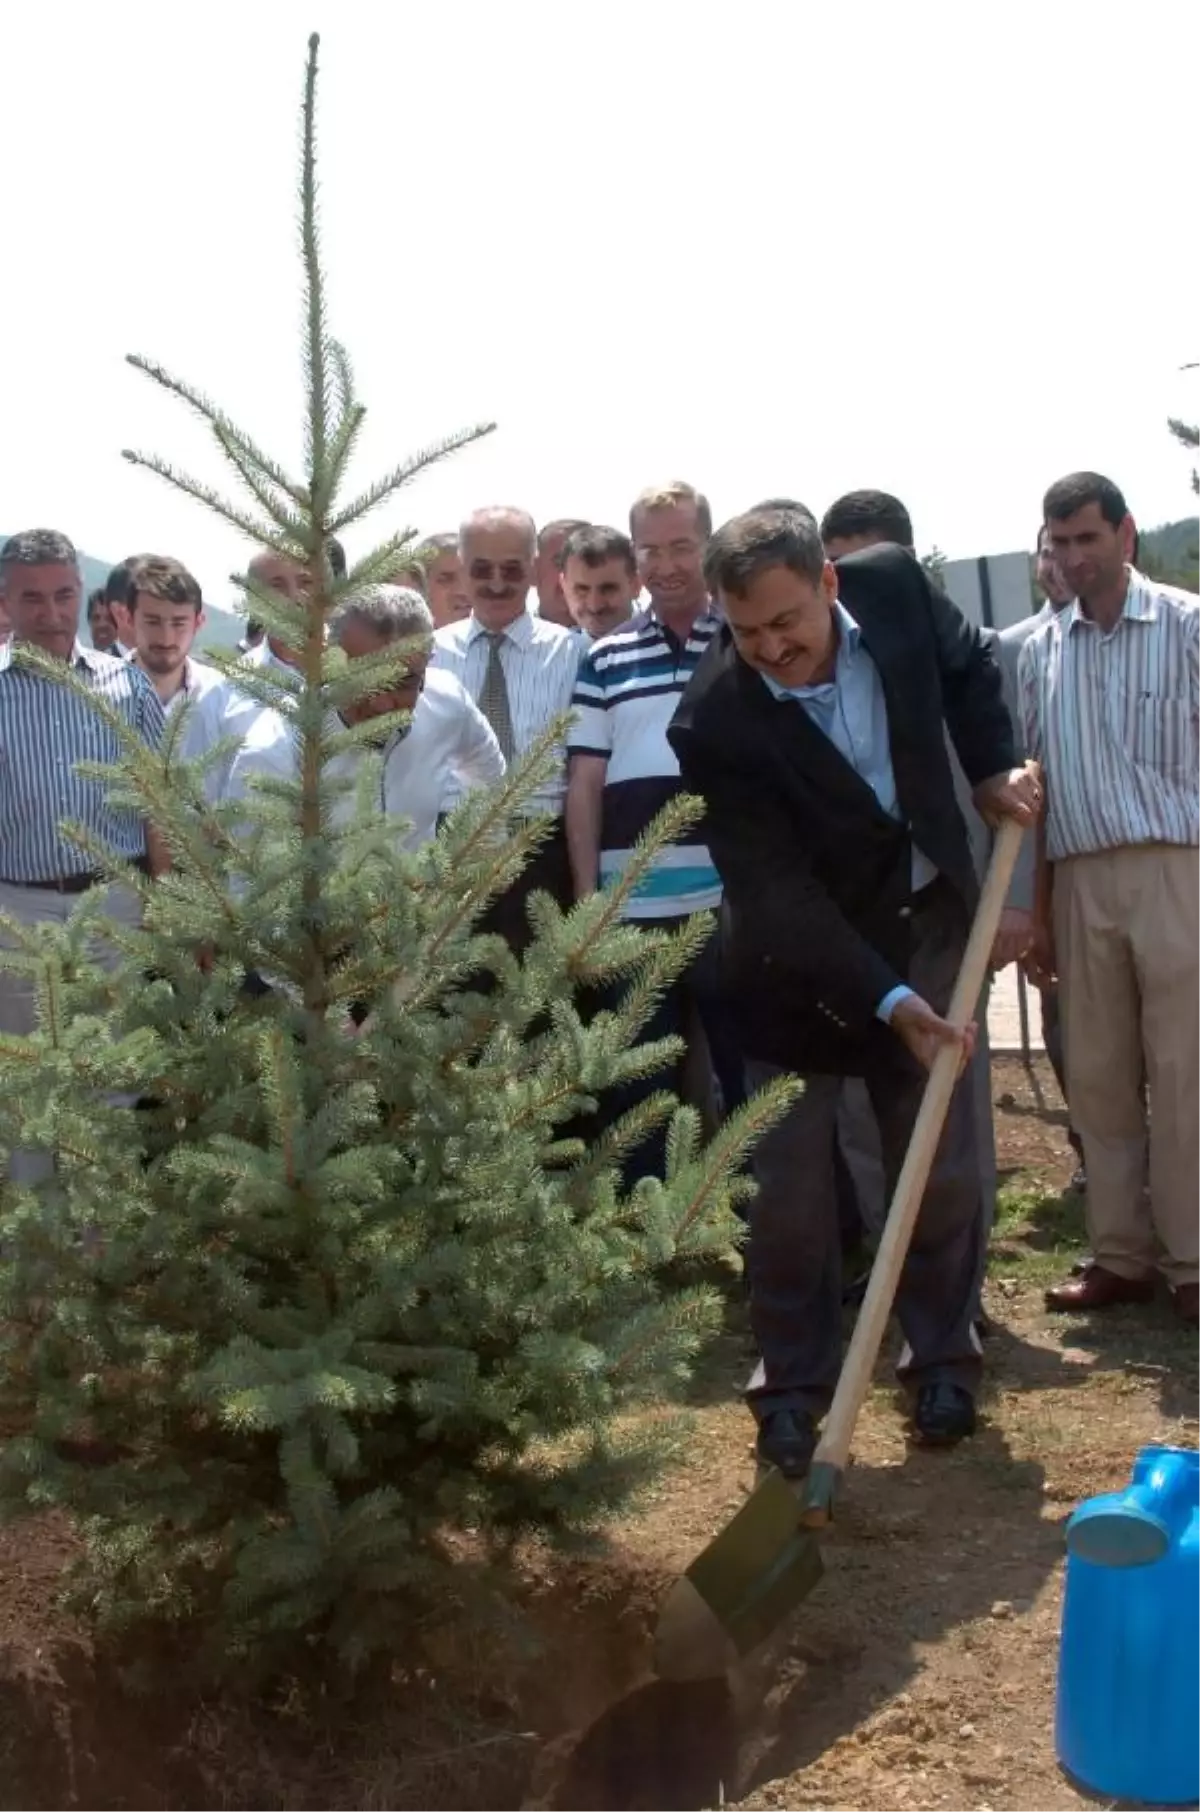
623, 771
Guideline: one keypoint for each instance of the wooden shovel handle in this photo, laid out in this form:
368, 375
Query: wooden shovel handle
855, 1379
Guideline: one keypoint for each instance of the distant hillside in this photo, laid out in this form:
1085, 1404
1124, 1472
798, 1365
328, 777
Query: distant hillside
95, 572
221, 628
1172, 553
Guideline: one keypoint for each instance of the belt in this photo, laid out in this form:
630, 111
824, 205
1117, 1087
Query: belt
58, 883
71, 883
925, 896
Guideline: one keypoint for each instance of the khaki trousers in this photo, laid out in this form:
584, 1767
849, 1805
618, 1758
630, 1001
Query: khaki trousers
1126, 924
18, 1000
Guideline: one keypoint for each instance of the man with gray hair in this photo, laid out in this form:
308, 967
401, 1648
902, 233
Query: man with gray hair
447, 738
48, 734
520, 669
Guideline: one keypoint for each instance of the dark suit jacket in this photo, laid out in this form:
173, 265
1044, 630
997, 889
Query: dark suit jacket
817, 877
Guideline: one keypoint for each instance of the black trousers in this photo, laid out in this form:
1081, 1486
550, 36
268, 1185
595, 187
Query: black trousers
794, 1249
548, 871
693, 998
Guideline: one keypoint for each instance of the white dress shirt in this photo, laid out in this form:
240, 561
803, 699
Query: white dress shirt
224, 710
448, 736
540, 660
263, 655
199, 679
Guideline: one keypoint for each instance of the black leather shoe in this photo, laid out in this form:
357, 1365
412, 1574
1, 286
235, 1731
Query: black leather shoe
943, 1415
787, 1440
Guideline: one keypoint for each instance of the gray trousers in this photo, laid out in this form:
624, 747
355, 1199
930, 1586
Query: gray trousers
1053, 1040
793, 1253
18, 1001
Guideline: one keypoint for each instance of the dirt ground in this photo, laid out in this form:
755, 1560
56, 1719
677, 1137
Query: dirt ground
919, 1674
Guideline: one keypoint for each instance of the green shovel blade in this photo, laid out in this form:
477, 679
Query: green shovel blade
760, 1567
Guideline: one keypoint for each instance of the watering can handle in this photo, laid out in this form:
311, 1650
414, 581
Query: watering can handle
856, 1373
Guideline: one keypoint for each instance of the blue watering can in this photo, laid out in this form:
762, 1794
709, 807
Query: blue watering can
1127, 1723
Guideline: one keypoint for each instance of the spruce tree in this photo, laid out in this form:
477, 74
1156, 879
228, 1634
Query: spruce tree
329, 1297
1188, 433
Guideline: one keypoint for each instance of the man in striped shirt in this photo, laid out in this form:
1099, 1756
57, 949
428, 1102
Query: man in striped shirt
1110, 696
520, 670
1009, 644
46, 730
623, 771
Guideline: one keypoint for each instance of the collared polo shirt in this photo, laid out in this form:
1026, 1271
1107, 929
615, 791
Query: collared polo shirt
629, 685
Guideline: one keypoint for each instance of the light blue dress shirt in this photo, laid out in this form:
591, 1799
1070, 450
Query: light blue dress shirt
46, 729
850, 710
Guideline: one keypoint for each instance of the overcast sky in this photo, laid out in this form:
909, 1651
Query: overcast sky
945, 249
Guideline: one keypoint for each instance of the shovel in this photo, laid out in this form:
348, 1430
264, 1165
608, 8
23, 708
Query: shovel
767, 1558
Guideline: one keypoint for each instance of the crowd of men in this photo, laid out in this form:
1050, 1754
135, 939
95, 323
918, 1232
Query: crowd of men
855, 743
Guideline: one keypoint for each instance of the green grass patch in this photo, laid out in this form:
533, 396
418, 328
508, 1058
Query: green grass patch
1038, 1235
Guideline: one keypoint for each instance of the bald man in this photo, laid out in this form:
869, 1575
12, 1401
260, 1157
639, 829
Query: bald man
547, 574
520, 670
227, 710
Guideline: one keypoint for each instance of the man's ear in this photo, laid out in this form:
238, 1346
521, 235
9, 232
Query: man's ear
829, 582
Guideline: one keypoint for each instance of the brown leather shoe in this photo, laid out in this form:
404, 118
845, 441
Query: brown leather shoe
1187, 1304
1097, 1288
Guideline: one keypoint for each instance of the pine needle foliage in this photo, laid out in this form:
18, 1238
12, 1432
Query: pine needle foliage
1188, 433
331, 1298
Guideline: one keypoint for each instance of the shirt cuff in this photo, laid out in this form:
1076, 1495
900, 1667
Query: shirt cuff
891, 1001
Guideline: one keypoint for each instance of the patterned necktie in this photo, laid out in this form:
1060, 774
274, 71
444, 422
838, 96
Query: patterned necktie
493, 699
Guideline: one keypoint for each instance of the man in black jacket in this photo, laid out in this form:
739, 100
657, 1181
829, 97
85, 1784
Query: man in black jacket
813, 731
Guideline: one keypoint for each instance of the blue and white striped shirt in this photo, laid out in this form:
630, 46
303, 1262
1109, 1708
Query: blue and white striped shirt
629, 685
45, 729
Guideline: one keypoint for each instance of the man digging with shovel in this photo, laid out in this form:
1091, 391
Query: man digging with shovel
813, 732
